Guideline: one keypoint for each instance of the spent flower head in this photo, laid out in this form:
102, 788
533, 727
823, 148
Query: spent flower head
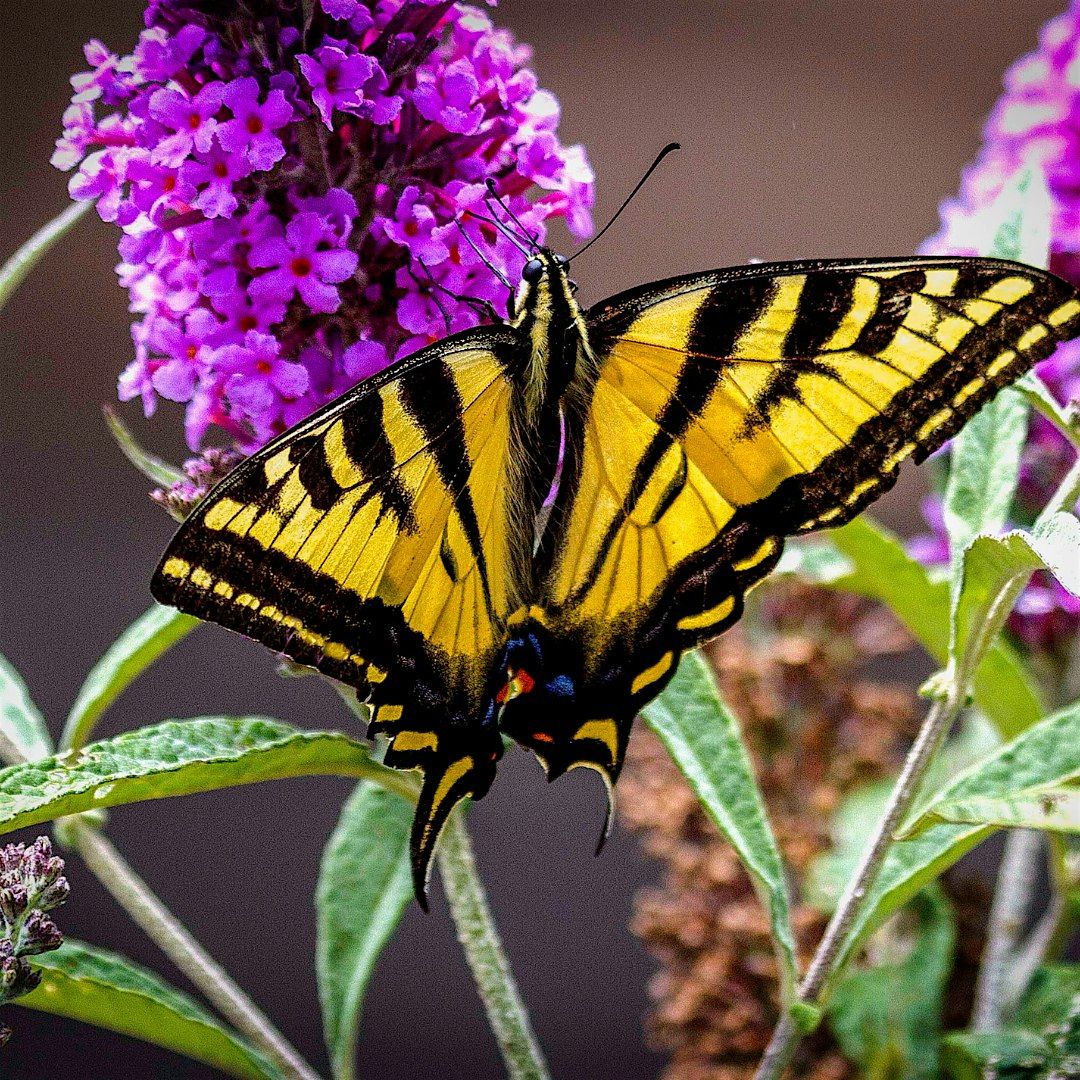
31, 884
1035, 123
299, 190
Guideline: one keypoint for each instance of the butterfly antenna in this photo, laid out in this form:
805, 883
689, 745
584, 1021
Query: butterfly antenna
505, 207
510, 235
669, 149
499, 275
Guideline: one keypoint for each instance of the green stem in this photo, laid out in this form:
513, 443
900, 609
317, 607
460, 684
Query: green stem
1008, 913
166, 931
487, 959
14, 271
786, 1037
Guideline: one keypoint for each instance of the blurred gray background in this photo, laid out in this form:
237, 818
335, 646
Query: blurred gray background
809, 129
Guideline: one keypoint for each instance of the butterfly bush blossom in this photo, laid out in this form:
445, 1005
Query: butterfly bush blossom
1036, 122
31, 884
301, 206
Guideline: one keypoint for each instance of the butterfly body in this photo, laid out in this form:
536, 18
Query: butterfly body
518, 530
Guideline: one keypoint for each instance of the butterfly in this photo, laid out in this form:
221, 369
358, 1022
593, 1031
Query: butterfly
517, 530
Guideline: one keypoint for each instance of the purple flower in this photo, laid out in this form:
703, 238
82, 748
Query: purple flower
340, 9
449, 98
214, 174
160, 55
253, 125
110, 80
312, 184
190, 118
414, 226
31, 883
300, 263
258, 380
337, 80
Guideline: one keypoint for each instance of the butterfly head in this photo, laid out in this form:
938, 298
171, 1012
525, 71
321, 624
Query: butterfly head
545, 280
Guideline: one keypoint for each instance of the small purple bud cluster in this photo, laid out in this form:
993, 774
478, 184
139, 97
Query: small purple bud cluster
1036, 122
302, 193
31, 883
202, 473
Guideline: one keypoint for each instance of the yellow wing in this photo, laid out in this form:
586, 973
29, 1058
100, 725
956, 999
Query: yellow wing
373, 542
726, 410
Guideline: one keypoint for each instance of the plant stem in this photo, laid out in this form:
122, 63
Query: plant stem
487, 960
786, 1037
1012, 898
165, 930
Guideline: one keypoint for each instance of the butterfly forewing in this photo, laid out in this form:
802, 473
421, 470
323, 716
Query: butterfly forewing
372, 542
727, 410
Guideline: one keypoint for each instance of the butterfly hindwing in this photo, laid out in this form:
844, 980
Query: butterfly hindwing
372, 542
730, 409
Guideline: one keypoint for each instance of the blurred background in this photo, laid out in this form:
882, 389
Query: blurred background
809, 129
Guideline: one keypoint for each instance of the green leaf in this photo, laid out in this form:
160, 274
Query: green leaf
1039, 397
884, 571
20, 722
150, 635
1053, 807
1043, 1044
971, 1055
180, 757
704, 740
150, 465
887, 1019
27, 257
992, 567
1052, 994
1044, 754
984, 467
860, 810
1044, 759
1023, 213
97, 987
364, 886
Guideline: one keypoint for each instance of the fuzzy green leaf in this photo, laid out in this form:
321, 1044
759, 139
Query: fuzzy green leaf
887, 1019
150, 635
983, 471
20, 722
1055, 808
1043, 1044
1044, 754
883, 570
364, 887
109, 991
859, 811
14, 271
704, 740
179, 757
1023, 213
150, 465
990, 565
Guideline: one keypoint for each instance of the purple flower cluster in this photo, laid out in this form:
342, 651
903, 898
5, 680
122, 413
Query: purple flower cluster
302, 204
31, 883
1036, 122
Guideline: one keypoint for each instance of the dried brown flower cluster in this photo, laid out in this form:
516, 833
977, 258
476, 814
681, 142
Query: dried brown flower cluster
818, 723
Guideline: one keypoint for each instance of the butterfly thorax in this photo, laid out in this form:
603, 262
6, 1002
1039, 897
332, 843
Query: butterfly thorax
549, 316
